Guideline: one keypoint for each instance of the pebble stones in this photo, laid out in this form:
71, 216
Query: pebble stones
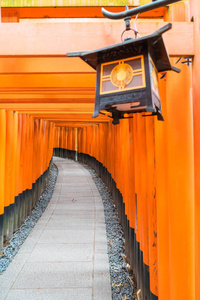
121, 279
21, 234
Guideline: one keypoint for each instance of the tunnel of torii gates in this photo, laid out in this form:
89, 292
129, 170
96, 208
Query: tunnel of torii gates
152, 168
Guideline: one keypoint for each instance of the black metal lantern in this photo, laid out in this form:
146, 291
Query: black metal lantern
127, 75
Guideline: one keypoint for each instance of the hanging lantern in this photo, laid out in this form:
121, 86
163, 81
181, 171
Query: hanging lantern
127, 75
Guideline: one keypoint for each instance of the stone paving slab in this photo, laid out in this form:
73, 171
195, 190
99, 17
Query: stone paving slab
40, 275
65, 256
74, 213
66, 225
51, 294
67, 236
61, 252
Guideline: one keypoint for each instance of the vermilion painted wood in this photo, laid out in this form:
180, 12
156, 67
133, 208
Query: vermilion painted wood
129, 152
132, 174
142, 195
58, 38
152, 203
180, 185
10, 14
162, 200
2, 158
35, 150
9, 159
15, 157
194, 13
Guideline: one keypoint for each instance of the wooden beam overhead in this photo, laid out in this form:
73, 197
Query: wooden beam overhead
47, 65
48, 80
55, 39
48, 106
36, 77
69, 12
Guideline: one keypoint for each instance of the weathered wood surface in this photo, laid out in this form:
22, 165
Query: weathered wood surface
55, 39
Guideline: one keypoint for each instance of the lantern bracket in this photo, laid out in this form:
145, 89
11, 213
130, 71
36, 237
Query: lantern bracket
127, 20
128, 27
136, 10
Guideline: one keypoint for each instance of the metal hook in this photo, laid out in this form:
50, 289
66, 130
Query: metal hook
128, 26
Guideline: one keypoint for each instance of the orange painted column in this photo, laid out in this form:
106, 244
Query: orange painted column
31, 166
45, 144
136, 171
36, 149
106, 142
138, 222
15, 156
131, 174
27, 157
58, 137
132, 219
55, 144
84, 140
2, 173
41, 154
118, 157
73, 139
62, 137
69, 139
152, 204
49, 139
24, 152
142, 192
66, 134
53, 137
113, 149
2, 158
101, 143
180, 171
195, 14
124, 130
180, 184
162, 200
9, 159
18, 189
89, 139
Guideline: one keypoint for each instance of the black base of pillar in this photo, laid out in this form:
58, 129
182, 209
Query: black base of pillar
1, 234
15, 214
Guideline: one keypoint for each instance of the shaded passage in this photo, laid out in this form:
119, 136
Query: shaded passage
65, 256
22, 233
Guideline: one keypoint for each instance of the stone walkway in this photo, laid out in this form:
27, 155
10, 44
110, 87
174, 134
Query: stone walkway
65, 256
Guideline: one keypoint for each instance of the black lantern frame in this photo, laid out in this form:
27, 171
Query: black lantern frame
127, 73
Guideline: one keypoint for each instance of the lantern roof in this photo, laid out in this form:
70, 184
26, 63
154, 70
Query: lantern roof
152, 43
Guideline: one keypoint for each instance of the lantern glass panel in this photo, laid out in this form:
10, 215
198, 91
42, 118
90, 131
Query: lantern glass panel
108, 86
108, 68
154, 78
137, 81
122, 75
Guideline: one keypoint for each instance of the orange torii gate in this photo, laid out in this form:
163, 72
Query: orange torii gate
46, 102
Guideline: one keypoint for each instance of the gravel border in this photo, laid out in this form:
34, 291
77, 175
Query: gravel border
22, 233
122, 283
